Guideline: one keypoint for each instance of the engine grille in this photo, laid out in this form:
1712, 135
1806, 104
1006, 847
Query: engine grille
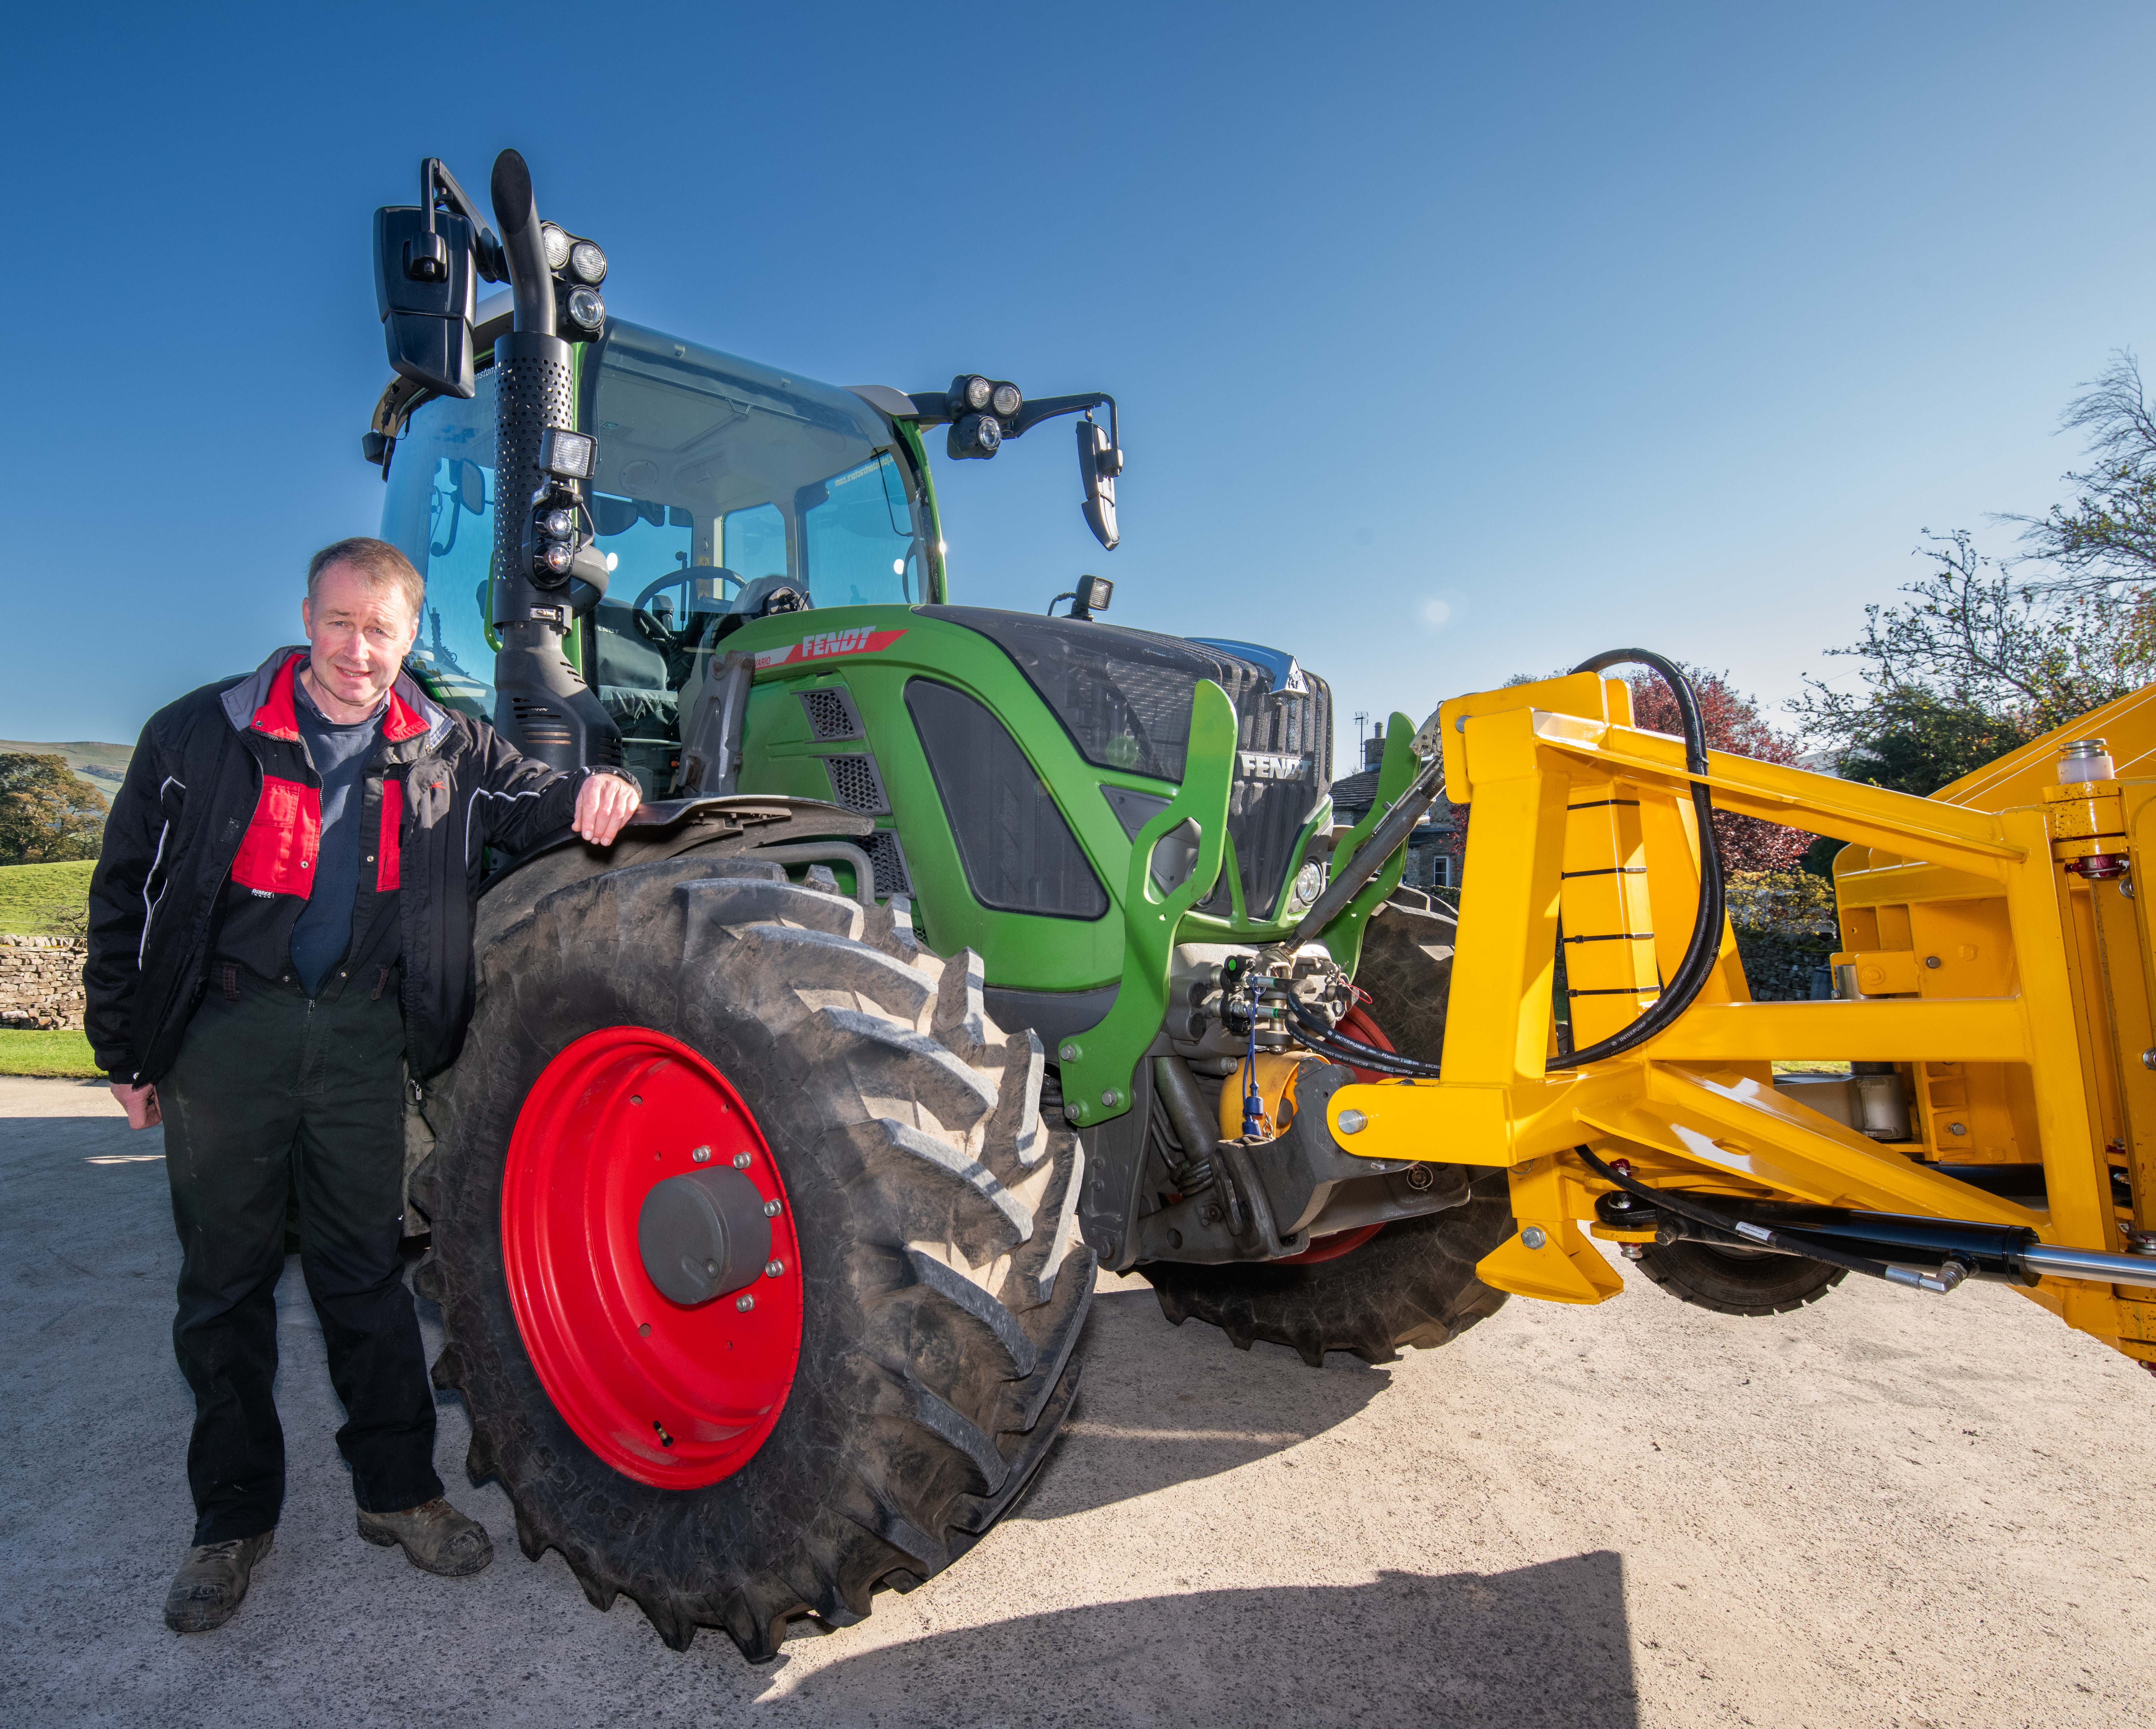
857, 784
1125, 696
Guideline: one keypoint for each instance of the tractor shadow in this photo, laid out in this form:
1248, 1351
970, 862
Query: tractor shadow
1548, 1645
1161, 1405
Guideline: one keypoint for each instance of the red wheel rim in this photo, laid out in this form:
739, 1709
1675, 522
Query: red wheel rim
671, 1396
1356, 1025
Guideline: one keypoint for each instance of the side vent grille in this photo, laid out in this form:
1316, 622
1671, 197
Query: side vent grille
888, 859
831, 714
540, 724
856, 785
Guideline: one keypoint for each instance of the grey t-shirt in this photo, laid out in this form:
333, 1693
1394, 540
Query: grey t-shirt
340, 754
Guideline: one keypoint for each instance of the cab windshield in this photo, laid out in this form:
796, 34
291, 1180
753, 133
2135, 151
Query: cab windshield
720, 483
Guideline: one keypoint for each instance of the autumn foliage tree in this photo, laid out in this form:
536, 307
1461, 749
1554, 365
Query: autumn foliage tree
1732, 723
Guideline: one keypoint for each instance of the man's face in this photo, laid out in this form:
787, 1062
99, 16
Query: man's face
359, 633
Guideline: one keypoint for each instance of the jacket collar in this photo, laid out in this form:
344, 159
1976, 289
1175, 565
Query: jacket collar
263, 702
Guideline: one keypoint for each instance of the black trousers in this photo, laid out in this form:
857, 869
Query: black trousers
271, 1091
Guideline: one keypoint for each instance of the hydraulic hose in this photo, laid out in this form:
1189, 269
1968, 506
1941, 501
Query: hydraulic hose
1692, 972
1385, 840
1677, 995
1746, 1231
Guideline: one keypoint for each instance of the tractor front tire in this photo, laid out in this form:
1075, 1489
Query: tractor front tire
905, 1357
1413, 1283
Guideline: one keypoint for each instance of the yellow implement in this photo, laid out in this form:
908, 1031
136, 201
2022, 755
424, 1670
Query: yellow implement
1993, 953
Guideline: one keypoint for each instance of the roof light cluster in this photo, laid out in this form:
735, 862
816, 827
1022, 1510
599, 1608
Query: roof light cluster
579, 266
981, 410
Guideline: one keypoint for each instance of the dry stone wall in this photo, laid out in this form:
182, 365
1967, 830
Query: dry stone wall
41, 982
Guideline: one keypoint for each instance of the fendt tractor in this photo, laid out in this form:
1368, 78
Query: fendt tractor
957, 952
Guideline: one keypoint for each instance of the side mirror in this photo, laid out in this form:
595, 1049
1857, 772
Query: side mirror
423, 289
1100, 461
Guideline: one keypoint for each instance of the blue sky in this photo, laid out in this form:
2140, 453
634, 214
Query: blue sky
1452, 342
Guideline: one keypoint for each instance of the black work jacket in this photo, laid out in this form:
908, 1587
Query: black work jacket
209, 844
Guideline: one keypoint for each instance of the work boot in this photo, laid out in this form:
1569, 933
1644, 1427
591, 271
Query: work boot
211, 1583
434, 1535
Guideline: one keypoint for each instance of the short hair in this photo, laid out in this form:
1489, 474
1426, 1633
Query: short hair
377, 562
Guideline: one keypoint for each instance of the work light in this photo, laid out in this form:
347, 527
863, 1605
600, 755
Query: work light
586, 310
570, 455
561, 524
586, 262
1005, 399
971, 395
557, 245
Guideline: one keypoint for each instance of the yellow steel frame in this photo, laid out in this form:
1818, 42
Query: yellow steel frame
2040, 999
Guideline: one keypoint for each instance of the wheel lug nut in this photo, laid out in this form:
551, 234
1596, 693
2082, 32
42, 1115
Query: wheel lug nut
701, 1155
744, 1303
741, 1161
772, 1270
772, 1209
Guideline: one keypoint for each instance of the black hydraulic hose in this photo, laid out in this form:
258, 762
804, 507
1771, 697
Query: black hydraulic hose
1746, 1231
1312, 1031
1383, 841
1692, 972
523, 249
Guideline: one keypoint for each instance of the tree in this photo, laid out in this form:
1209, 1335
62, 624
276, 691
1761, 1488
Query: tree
47, 814
1977, 662
2107, 536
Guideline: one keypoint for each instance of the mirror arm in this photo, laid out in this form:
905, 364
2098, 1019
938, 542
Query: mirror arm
437, 182
933, 408
1049, 407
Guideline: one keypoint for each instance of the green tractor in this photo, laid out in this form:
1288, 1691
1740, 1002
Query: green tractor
957, 952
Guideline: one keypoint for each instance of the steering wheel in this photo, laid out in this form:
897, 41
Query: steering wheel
649, 622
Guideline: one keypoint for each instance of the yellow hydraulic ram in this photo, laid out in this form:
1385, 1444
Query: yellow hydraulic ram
1993, 952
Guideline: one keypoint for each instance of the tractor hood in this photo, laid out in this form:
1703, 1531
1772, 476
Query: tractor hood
1125, 696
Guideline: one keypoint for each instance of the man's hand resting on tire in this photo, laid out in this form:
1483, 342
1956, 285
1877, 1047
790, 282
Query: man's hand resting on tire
603, 803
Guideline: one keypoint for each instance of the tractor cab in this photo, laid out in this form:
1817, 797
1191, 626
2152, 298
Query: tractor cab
724, 491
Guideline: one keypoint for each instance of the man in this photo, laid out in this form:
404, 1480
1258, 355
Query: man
280, 923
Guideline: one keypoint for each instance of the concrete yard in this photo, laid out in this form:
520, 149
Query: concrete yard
1890, 1509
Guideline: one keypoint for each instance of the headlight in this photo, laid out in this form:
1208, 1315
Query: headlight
557, 245
1309, 884
973, 436
586, 262
586, 310
1005, 400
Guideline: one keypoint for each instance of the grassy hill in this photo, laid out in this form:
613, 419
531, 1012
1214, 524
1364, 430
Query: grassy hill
102, 765
32, 896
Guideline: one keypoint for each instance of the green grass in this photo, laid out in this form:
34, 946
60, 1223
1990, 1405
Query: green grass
31, 895
46, 1053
